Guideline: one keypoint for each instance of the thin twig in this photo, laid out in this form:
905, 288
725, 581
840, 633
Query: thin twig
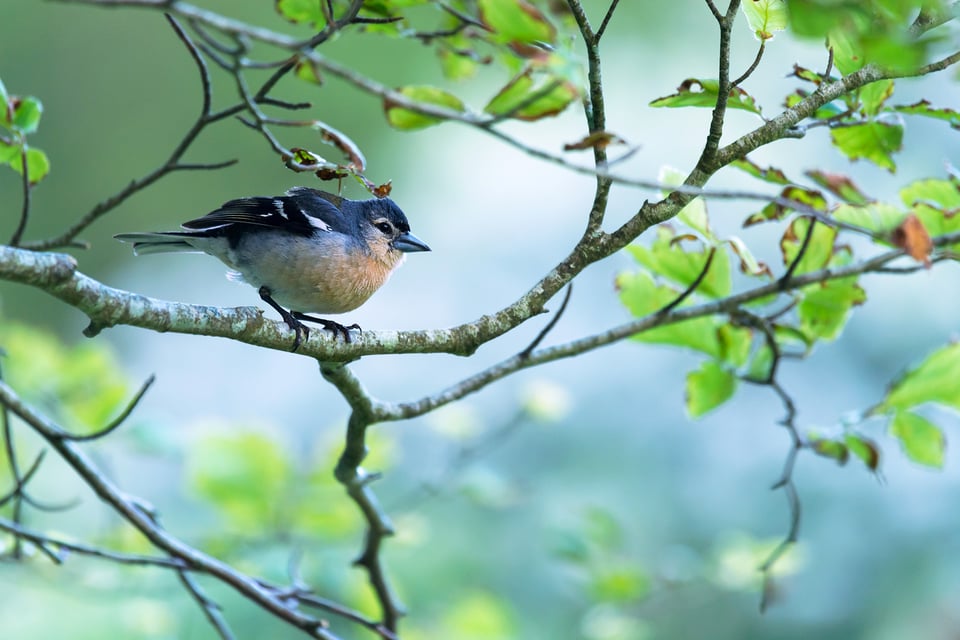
801, 252
27, 190
692, 287
550, 325
119, 420
19, 480
715, 11
606, 20
45, 541
211, 610
20, 483
753, 66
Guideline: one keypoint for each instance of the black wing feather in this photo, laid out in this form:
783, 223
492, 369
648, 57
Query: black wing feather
301, 212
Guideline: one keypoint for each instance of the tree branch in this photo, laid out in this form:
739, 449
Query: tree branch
146, 523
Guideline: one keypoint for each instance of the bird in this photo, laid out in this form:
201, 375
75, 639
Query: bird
305, 251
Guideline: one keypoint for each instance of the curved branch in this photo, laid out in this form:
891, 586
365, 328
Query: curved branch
730, 304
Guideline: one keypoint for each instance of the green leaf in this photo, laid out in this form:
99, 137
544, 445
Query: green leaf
26, 114
922, 441
895, 50
877, 217
308, 72
936, 203
38, 165
923, 108
859, 32
407, 119
826, 112
942, 193
516, 22
767, 174
776, 211
524, 98
708, 387
826, 306
874, 95
302, 12
808, 75
457, 63
936, 379
667, 258
699, 92
642, 296
865, 449
765, 17
829, 448
9, 152
819, 250
848, 53
735, 344
761, 364
818, 18
873, 141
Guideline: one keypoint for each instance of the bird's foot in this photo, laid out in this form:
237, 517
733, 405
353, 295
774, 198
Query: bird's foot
335, 327
301, 330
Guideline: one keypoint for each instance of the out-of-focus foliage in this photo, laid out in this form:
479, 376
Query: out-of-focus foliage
82, 386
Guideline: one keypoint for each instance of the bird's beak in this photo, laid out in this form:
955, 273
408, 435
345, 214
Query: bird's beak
409, 243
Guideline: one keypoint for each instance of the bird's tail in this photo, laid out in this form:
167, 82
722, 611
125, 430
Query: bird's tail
158, 242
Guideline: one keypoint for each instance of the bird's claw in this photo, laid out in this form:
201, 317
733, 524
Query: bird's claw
301, 330
329, 325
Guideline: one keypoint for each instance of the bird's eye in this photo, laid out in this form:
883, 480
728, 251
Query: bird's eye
385, 227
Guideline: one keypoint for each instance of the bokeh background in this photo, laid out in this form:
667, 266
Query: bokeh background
576, 500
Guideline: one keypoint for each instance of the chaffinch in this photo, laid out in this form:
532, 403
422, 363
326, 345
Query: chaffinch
305, 251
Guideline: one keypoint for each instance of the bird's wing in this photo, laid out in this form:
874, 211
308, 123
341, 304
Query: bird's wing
299, 213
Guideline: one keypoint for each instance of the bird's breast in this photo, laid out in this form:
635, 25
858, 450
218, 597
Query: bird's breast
314, 277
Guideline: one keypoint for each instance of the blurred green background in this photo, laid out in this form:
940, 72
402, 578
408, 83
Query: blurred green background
602, 512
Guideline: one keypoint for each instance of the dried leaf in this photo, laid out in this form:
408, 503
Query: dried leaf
346, 146
840, 186
912, 237
596, 140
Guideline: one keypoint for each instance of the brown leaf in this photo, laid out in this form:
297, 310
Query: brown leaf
912, 237
346, 146
596, 140
331, 174
383, 190
840, 186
